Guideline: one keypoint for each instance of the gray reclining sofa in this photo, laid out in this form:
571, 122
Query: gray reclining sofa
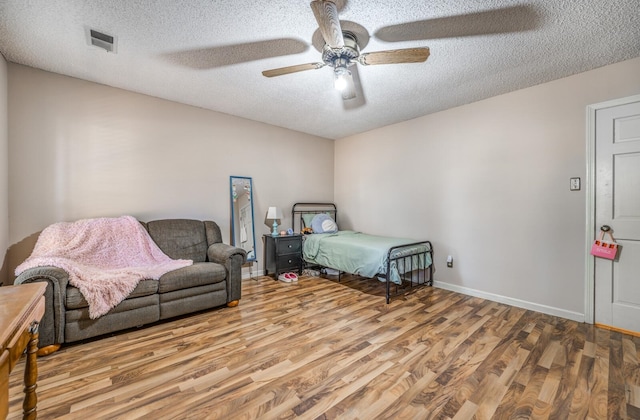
213, 280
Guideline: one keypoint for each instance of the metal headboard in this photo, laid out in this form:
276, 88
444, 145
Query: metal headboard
299, 209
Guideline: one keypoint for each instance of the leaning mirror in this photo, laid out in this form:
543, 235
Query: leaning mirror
242, 231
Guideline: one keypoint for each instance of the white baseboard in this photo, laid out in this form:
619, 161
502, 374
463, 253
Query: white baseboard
549, 310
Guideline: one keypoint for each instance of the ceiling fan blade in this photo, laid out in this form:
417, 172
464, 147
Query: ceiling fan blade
292, 69
406, 55
326, 14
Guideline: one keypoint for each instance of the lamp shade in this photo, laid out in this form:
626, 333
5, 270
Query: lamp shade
274, 214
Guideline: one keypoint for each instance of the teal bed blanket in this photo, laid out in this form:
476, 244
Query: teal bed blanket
363, 254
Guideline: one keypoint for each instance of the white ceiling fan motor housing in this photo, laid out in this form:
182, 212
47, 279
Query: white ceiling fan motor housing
342, 57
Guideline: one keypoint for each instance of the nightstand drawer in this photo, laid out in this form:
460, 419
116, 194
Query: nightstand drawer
288, 262
289, 246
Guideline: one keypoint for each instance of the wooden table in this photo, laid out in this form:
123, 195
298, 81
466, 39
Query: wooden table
21, 309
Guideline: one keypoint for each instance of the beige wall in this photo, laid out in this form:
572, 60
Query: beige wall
81, 150
488, 183
4, 173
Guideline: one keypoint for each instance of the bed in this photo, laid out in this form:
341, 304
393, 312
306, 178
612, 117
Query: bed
400, 263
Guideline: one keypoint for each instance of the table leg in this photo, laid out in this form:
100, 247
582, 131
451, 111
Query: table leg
31, 375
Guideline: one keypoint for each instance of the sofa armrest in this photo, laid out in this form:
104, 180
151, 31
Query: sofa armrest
52, 324
232, 258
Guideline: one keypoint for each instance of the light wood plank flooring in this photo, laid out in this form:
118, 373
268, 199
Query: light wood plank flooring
322, 349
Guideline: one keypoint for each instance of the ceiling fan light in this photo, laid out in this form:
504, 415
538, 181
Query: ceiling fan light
341, 75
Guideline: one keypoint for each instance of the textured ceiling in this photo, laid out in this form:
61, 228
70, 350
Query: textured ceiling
210, 53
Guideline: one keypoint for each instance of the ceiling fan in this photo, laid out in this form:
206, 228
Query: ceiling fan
341, 51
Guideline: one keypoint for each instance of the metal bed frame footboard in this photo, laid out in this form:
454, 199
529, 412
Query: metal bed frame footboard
413, 276
418, 277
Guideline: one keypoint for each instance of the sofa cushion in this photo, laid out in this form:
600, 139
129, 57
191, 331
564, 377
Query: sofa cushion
75, 299
180, 238
197, 274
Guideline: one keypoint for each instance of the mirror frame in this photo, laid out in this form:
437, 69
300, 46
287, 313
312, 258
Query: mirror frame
244, 181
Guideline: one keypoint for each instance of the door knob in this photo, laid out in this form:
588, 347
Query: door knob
605, 228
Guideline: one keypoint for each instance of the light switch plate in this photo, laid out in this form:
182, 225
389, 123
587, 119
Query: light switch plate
574, 184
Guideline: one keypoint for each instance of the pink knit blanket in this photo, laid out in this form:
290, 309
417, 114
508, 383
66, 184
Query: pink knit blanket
105, 258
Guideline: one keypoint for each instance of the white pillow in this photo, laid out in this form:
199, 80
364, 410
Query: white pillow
323, 223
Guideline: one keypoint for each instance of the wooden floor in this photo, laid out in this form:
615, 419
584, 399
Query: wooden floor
322, 349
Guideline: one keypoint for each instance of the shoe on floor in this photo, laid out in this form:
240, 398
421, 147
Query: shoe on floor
292, 276
284, 278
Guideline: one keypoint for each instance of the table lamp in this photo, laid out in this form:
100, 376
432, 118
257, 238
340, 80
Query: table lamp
273, 217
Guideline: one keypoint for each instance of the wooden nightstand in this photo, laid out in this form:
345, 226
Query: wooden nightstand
282, 254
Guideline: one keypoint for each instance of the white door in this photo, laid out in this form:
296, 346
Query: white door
617, 204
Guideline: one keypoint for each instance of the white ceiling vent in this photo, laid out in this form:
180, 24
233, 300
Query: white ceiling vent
101, 40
